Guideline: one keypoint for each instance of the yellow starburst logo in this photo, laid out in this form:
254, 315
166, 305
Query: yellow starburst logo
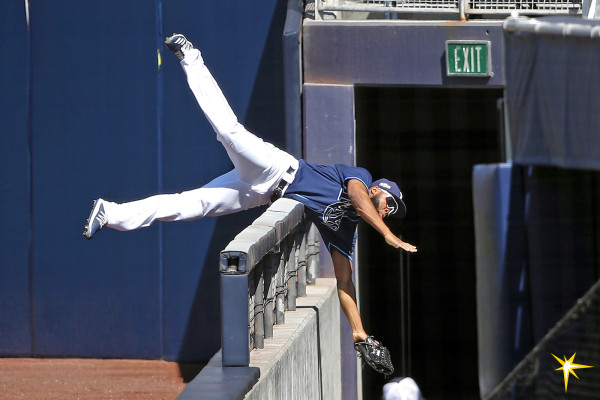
568, 366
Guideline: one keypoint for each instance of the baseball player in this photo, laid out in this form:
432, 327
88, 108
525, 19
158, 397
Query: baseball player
334, 196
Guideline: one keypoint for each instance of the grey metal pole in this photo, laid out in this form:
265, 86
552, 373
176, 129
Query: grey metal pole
291, 274
269, 285
302, 263
280, 289
259, 325
312, 269
405, 316
408, 319
251, 297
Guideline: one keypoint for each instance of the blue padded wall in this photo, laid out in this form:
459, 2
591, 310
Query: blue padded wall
329, 138
15, 329
94, 134
111, 116
536, 234
503, 309
241, 45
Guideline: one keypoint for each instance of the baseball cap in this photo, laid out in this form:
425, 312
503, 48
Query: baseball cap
397, 205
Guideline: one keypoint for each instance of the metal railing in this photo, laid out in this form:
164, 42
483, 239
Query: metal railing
263, 270
460, 8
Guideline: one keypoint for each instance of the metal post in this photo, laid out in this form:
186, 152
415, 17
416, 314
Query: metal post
291, 274
259, 326
408, 319
280, 288
462, 7
302, 263
405, 313
269, 288
235, 340
251, 315
311, 256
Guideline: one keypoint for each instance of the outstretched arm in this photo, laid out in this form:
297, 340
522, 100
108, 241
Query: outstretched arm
366, 210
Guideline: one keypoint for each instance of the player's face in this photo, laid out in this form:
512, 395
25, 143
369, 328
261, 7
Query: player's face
381, 204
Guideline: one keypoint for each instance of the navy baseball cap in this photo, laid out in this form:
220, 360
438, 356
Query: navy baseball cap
395, 203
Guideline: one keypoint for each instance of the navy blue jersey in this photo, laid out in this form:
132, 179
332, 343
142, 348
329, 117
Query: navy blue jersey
323, 189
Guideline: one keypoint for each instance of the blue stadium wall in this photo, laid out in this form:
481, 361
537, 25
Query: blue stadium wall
93, 105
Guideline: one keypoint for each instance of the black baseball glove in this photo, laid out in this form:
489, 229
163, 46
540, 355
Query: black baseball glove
376, 355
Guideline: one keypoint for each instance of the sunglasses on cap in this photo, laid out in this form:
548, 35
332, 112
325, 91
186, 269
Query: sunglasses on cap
392, 204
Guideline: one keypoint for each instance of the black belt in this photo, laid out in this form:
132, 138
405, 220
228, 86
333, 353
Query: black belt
278, 191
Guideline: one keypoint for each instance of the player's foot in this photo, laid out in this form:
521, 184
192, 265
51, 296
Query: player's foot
376, 355
97, 219
178, 44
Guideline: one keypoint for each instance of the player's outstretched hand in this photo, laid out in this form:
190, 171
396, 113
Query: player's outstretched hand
395, 241
408, 247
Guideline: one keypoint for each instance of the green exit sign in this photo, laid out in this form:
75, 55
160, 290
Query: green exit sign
469, 58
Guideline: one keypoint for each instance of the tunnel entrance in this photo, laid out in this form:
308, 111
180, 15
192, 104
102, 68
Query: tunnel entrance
427, 140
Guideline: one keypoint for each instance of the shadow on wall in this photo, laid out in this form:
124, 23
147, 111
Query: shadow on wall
202, 336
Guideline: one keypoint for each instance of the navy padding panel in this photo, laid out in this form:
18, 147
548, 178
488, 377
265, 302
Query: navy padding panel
95, 134
329, 124
235, 337
561, 239
241, 45
329, 138
15, 329
292, 55
502, 291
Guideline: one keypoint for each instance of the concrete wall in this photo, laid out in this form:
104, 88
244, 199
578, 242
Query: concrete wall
302, 361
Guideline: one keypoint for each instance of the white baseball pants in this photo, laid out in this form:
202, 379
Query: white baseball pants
258, 166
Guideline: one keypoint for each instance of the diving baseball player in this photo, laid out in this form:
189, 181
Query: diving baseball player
334, 196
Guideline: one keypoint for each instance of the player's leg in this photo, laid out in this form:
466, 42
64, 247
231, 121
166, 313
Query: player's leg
372, 351
224, 195
257, 162
347, 294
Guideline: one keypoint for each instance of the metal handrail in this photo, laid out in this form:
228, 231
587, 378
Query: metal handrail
461, 8
263, 270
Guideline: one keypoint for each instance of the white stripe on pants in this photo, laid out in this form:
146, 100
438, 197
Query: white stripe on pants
258, 166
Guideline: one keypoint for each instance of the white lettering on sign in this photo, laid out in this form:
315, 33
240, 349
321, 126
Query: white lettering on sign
466, 64
470, 59
456, 59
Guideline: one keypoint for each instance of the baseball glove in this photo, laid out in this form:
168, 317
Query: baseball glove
376, 355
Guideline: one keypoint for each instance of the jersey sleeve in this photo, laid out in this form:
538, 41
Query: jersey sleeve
357, 173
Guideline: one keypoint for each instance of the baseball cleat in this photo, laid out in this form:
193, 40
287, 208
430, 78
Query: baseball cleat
376, 355
97, 219
178, 44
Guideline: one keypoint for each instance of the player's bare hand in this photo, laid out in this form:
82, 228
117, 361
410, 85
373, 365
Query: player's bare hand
408, 247
395, 241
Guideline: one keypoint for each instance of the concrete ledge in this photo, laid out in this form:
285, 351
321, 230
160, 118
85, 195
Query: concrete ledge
301, 361
216, 382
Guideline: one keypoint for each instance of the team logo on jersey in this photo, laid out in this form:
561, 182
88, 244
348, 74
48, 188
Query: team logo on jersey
333, 214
